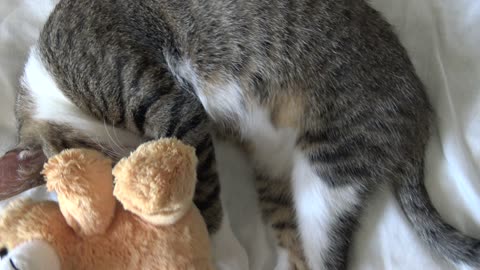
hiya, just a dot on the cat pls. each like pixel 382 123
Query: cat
pixel 320 93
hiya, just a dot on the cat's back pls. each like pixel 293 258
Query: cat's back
pixel 312 46
pixel 282 37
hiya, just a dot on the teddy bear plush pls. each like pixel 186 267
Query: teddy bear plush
pixel 146 220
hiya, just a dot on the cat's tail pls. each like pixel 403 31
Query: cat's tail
pixel 444 239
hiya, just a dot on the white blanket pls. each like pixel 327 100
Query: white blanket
pixel 442 37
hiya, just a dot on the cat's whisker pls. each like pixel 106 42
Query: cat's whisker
pixel 104 149
pixel 115 144
pixel 123 148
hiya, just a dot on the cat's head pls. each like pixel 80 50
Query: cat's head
pixel 49 122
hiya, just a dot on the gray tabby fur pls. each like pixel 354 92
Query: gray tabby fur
pixel 332 70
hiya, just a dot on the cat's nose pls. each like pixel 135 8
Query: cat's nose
pixel 3 252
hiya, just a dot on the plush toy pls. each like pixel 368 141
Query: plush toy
pixel 152 223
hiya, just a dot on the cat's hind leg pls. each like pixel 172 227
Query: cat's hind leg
pixel 335 167
pixel 276 204
pixel 326 216
pixel 227 251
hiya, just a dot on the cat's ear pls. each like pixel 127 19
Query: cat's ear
pixel 20 169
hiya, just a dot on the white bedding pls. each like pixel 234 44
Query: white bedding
pixel 442 37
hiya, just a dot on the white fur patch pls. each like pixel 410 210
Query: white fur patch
pixel 317 204
pixel 50 104
pixel 226 100
pixel 225 103
pixel 273 147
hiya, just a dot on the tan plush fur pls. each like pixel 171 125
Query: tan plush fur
pixel 155 183
pixel 157 180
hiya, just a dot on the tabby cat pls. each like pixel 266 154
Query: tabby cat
pixel 319 92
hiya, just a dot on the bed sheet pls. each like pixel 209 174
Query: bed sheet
pixel 442 38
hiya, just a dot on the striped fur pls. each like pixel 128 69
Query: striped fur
pixel 320 92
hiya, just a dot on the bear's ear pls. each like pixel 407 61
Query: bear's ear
pixel 20 170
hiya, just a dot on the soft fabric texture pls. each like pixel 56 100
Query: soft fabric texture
pixel 32 255
pixel 105 235
pixel 83 183
pixel 442 38
pixel 157 180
